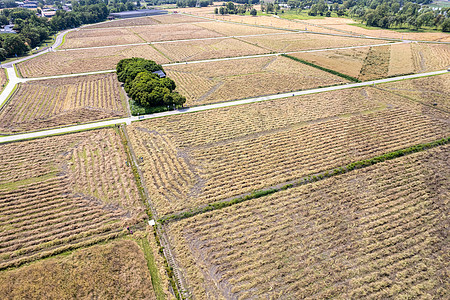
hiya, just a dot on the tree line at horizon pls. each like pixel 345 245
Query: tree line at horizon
pixel 32 30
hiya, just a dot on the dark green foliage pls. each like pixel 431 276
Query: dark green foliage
pixel 145 88
pixel 127 69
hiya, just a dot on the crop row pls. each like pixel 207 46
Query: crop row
pixel 38 103
pixel 370 233
pixel 180 179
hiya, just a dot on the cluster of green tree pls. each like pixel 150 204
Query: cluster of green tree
pixel 233 9
pixel 410 15
pixel 193 3
pixel 271 7
pixel 31 31
pixel 144 87
pixel 413 14
pixel 8 4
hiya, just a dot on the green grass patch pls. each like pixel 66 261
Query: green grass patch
pixel 322 68
pixel 148 254
pixel 306 179
pixel 11 186
pixel 396 29
pixel 137 109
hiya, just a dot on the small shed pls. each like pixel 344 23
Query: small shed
pixel 160 73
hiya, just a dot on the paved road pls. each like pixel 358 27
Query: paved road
pixel 128 120
pixel 58 42
pixel 13 80
pixel 215 60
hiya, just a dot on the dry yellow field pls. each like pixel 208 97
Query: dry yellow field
pixel 230 29
pixel 117 270
pixel 244 78
pixel 434 90
pixel 87 60
pixel 100 37
pixel 195 159
pixel 304 41
pixel 3 79
pixel 172 32
pixel 376 233
pixel 273 22
pixel 382 33
pixel 382 61
pixel 207 49
pixel 176 18
pixel 123 23
pixel 64 101
pixel 62 193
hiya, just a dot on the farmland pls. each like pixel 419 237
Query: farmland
pixel 63 101
pixel 172 32
pixel 122 23
pixel 97 38
pixel 429 90
pixel 374 233
pixel 196 159
pixel 45 211
pixel 333 193
pixel 304 41
pixel 230 29
pixel 207 49
pixel 87 60
pixel 382 61
pixel 245 78
pixel 119 265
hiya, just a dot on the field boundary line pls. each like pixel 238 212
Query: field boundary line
pixel 129 120
pixel 211 60
pixel 348 77
pixel 304 180
pixel 414 100
pixel 176 278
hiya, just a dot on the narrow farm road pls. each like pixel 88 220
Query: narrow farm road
pixel 58 41
pixel 128 120
pixel 216 60
pixel 12 81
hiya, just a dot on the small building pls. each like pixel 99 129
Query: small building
pixel 29 5
pixel 137 13
pixel 7 29
pixel 49 13
pixel 160 73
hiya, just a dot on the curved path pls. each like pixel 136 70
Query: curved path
pixel 128 120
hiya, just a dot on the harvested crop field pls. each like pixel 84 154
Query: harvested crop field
pixel 3 79
pixel 304 41
pixel 63 101
pixel 208 49
pixel 383 33
pixel 172 32
pixel 230 29
pixel 123 23
pixel 100 37
pixel 273 22
pixel 382 61
pixel 434 90
pixel 376 233
pixel 86 60
pixel 176 18
pixel 195 159
pixel 244 78
pixel 116 270
pixel 45 210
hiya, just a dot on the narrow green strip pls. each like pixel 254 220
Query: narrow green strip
pixel 308 179
pixel 322 68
